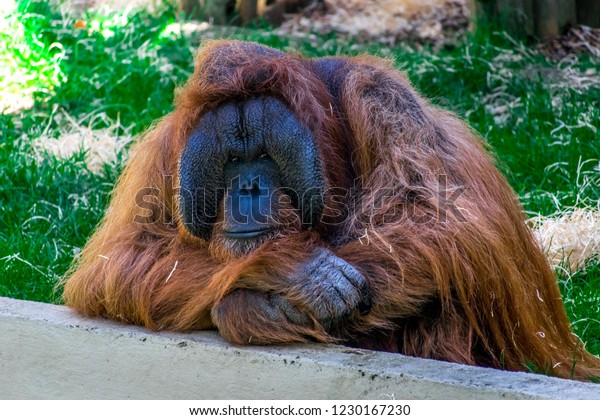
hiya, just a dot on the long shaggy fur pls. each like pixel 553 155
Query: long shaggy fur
pixel 468 286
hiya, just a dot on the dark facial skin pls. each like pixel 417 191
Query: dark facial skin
pixel 241 160
pixel 246 155
pixel 248 203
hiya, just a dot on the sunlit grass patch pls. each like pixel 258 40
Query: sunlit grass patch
pixel 29 65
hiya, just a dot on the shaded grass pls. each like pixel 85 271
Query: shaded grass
pixel 540 118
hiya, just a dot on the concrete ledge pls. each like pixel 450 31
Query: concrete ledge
pixel 48 352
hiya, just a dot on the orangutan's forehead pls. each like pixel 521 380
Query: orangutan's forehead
pixel 247 125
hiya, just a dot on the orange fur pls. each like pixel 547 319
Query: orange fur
pixel 471 287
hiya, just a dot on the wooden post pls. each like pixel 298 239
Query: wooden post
pixel 546 18
pixel 514 15
pixel 543 18
pixel 567 14
pixel 214 10
pixel 588 12
pixel 189 7
pixel 473 12
pixel 248 10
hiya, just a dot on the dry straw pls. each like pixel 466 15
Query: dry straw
pixel 105 146
pixel 570 238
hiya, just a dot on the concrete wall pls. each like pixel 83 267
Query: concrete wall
pixel 48 352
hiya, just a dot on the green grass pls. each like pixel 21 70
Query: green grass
pixel 541 119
